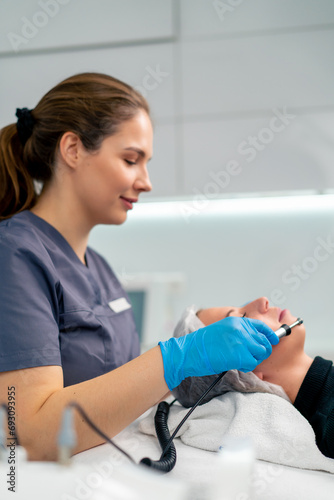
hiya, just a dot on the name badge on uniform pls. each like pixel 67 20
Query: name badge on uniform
pixel 119 305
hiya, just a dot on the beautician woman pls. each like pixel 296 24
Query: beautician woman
pixel 66 328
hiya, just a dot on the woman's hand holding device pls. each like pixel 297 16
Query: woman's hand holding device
pixel 231 343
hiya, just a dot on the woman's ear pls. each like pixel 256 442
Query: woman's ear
pixel 69 148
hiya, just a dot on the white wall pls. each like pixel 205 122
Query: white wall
pixel 215 73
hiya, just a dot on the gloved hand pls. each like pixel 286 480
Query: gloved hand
pixel 231 343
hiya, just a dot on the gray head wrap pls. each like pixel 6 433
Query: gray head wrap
pixel 190 390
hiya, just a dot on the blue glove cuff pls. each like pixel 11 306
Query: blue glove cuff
pixel 171 352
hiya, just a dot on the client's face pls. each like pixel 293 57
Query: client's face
pixel 287 348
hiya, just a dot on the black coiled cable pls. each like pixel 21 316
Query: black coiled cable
pixel 168 458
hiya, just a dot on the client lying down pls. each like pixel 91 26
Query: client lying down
pixel 289 372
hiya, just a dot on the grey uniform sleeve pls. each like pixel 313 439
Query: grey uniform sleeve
pixel 28 309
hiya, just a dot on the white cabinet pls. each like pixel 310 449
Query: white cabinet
pixel 250 74
pixel 214 72
pixel 60 24
pixel 259 154
pixel 203 18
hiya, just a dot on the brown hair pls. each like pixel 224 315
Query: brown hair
pixel 92 105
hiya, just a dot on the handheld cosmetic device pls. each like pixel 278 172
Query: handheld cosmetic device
pixel 286 330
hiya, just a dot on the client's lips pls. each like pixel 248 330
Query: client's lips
pixel 281 314
pixel 128 201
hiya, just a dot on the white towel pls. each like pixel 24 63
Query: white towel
pixel 280 434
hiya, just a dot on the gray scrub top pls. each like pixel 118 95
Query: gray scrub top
pixel 54 310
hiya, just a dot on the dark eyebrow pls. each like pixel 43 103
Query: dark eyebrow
pixel 139 151
pixel 230 311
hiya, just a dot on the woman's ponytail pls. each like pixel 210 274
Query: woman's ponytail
pixel 17 190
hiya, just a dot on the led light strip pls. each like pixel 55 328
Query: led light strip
pixel 192 207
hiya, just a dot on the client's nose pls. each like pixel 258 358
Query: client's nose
pixel 260 305
pixel 263 304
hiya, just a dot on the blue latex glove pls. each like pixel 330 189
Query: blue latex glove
pixel 231 343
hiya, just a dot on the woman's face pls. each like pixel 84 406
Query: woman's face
pixel 108 182
pixel 287 348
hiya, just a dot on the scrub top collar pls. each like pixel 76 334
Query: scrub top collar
pixel 53 233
